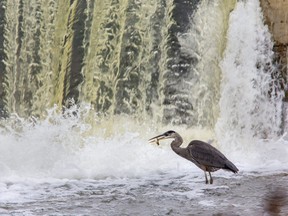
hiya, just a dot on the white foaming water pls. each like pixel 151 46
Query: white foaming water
pixel 64 156
pixel 249 122
pixel 67 147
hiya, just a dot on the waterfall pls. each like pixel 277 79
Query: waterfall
pixel 205 41
pixel 251 101
pixel 107 54
pixel 88 82
pixel 148 59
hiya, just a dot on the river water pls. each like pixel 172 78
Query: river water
pixel 162 194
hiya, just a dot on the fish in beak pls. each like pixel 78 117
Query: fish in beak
pixel 157 138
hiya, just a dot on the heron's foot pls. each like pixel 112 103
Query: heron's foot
pixel 206 181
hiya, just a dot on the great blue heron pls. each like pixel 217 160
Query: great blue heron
pixel 202 154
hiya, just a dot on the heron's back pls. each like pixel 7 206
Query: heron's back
pixel 208 158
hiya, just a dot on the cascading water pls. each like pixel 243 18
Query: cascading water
pixel 206 43
pixel 126 70
pixel 145 60
pixel 115 55
pixel 251 101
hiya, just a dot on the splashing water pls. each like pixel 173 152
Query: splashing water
pixel 64 146
pixel 250 105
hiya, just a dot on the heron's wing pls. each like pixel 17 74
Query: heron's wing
pixel 205 154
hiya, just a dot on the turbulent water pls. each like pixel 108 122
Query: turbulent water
pixel 126 71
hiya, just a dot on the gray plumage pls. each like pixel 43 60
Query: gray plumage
pixel 202 154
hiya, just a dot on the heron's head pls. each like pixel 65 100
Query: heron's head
pixel 167 135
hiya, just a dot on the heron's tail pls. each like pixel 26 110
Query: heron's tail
pixel 230 166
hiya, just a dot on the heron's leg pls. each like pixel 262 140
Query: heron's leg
pixel 211 179
pixel 206 177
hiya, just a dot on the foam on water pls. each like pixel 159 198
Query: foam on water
pixel 67 147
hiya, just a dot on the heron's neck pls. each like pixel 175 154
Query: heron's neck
pixel 176 143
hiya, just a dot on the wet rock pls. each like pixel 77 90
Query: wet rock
pixel 276 17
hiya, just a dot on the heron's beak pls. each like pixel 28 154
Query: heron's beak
pixel 157 138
